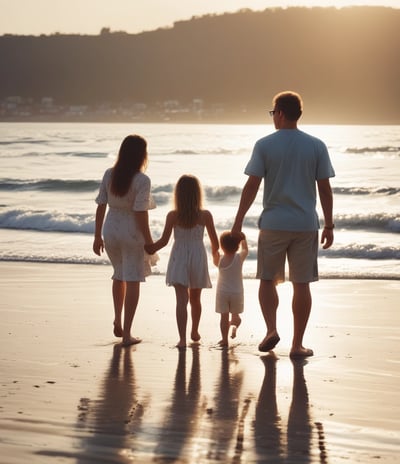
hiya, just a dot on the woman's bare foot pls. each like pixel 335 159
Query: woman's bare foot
pixel 131 341
pixel 181 345
pixel 118 332
pixel 223 343
pixel 301 352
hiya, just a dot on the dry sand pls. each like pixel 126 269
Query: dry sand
pixel 70 394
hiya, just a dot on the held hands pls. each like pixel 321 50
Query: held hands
pixel 216 256
pixel 98 245
pixel 236 232
pixel 150 248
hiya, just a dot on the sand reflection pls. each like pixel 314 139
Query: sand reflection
pixel 227 429
pixel 267 424
pixel 114 419
pixel 271 443
pixel 190 429
pixel 180 424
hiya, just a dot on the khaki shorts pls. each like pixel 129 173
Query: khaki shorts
pixel 300 249
pixel 229 303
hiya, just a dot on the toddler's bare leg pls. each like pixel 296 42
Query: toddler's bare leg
pixel 224 326
pixel 235 323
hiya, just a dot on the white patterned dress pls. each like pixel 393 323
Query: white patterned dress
pixel 188 265
pixel 122 239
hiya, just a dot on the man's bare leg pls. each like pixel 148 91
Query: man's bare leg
pixel 130 305
pixel 301 307
pixel 269 301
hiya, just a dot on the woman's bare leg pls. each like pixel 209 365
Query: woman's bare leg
pixel 130 305
pixel 118 292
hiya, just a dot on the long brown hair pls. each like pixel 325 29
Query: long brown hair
pixel 188 198
pixel 132 158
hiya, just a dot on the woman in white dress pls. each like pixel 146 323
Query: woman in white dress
pixel 126 190
pixel 187 269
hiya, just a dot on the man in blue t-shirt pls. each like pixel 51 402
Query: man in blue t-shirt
pixel 293 165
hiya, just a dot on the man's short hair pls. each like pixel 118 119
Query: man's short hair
pixel 290 103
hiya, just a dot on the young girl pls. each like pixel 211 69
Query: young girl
pixel 187 269
pixel 229 295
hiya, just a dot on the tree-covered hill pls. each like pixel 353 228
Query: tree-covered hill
pixel 345 62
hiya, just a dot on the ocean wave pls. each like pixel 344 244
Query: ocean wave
pixel 165 188
pixel 222 192
pixel 368 251
pixel 378 222
pixel 12 257
pixel 56 185
pixel 54 221
pixel 388 149
pixel 46 221
pixel 216 193
pixel 374 222
pixel 366 190
pixel 24 140
pixel 186 152
pixel 68 154
pixel 161 193
pixel 215 151
pixel 81 154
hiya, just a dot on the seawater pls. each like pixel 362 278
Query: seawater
pixel 50 174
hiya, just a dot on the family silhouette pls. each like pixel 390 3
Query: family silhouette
pixel 293 166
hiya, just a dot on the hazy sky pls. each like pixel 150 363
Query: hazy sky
pixel 90 16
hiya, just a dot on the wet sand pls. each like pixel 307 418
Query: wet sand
pixel 70 393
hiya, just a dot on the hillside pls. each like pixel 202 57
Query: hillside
pixel 345 63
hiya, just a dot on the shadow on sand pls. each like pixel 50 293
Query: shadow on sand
pixel 228 427
pixel 271 443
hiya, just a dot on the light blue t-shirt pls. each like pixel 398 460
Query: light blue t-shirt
pixel 290 162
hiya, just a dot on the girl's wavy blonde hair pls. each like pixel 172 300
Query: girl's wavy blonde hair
pixel 188 199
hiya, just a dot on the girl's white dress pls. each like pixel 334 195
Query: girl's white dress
pixel 188 265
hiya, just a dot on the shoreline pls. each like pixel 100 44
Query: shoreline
pixel 70 391
pixel 324 276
